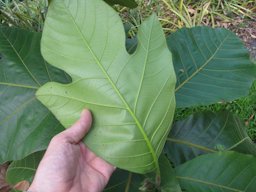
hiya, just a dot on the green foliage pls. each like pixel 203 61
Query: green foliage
pixel 207 132
pixel 211 66
pixel 24 169
pixel 127 3
pixel 24 121
pixel 222 171
pixel 104 73
pixel 129 182
pixel 132 92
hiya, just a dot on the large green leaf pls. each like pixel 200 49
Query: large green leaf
pixel 24 169
pixel 26 125
pixel 219 172
pixel 131 96
pixel 211 65
pixel 127 3
pixel 207 132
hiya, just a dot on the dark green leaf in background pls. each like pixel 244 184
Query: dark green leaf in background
pixel 131 182
pixel 131 96
pixel 124 181
pixel 211 65
pixel 219 172
pixel 126 3
pixel 26 125
pixel 207 132
pixel 24 169
pixel 169 183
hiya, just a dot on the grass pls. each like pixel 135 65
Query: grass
pixel 27 14
pixel 173 14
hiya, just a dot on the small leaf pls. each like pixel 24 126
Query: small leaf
pixel 169 183
pixel 24 170
pixel 211 65
pixel 207 132
pixel 26 125
pixel 131 96
pixel 222 171
pixel 126 3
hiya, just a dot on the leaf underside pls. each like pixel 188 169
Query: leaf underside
pixel 26 125
pixel 131 96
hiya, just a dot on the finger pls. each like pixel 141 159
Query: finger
pixel 76 133
pixel 103 167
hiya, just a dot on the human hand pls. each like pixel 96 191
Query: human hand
pixel 69 166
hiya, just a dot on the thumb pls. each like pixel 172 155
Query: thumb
pixel 76 133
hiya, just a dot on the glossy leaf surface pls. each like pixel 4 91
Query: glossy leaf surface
pixel 131 96
pixel 219 172
pixel 211 65
pixel 24 169
pixel 26 125
pixel 205 133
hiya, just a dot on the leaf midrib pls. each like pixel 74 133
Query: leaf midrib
pixel 155 159
pixel 202 67
pixel 23 168
pixel 18 85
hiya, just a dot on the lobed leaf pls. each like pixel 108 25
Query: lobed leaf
pixel 26 125
pixel 131 96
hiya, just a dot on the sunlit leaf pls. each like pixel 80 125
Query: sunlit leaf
pixel 131 96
